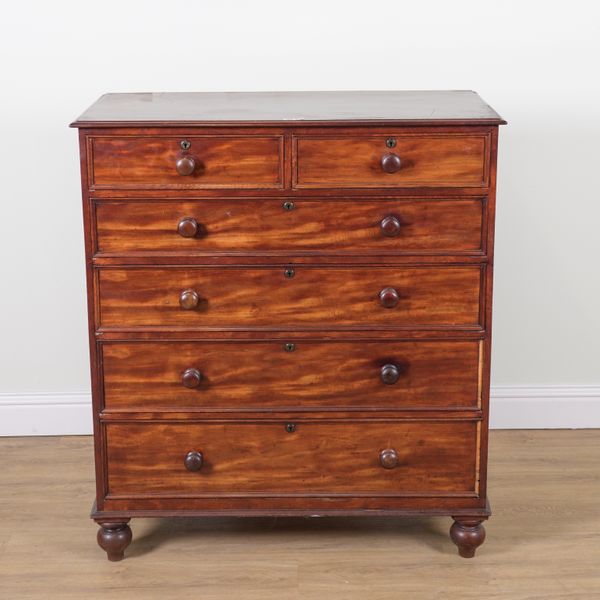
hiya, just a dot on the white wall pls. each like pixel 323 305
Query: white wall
pixel 536 62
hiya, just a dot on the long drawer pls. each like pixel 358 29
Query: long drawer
pixel 302 296
pixel 239 374
pixel 299 459
pixel 415 226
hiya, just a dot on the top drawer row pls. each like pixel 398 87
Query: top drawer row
pixel 238 160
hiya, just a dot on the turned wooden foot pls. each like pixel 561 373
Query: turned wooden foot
pixel 114 538
pixel 468 535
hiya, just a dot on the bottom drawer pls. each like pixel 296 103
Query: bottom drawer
pixel 305 458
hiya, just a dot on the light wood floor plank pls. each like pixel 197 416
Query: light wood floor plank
pixel 543 538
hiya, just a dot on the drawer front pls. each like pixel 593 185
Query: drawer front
pixel 145 376
pixel 416 226
pixel 210 162
pixel 318 458
pixel 434 160
pixel 263 298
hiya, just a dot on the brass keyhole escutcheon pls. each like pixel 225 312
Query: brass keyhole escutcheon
pixel 185 145
pixel 289 273
pixel 290 427
pixel 390 143
pixel 288 206
pixel 289 347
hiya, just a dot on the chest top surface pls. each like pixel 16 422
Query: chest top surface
pixel 463 107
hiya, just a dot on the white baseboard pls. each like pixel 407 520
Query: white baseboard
pixel 545 407
pixel 68 413
pixel 512 407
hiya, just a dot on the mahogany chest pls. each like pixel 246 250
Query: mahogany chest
pixel 290 299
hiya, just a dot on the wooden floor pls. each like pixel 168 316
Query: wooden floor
pixel 543 539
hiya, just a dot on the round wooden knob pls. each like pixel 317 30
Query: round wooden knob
pixel 187 227
pixel 391 163
pixel 390 374
pixel 188 299
pixel 390 226
pixel 389 297
pixel 185 165
pixel 191 378
pixel 388 458
pixel 193 460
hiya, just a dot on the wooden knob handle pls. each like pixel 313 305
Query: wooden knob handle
pixel 390 226
pixel 188 299
pixel 390 374
pixel 185 165
pixel 389 297
pixel 193 460
pixel 191 378
pixel 391 163
pixel 388 458
pixel 188 227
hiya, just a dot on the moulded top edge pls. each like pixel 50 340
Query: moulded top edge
pixel 289 108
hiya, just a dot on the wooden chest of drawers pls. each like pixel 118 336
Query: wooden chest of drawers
pixel 290 305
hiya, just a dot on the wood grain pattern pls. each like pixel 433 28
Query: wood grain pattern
pixel 251 298
pixel 303 225
pixel 228 161
pixel 353 161
pixel 261 375
pixel 280 223
pixel 319 458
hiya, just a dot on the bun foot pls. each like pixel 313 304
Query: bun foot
pixel 114 538
pixel 468 535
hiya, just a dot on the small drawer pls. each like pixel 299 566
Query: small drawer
pixel 185 162
pixel 415 226
pixel 392 160
pixel 243 375
pixel 306 458
pixel 270 298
